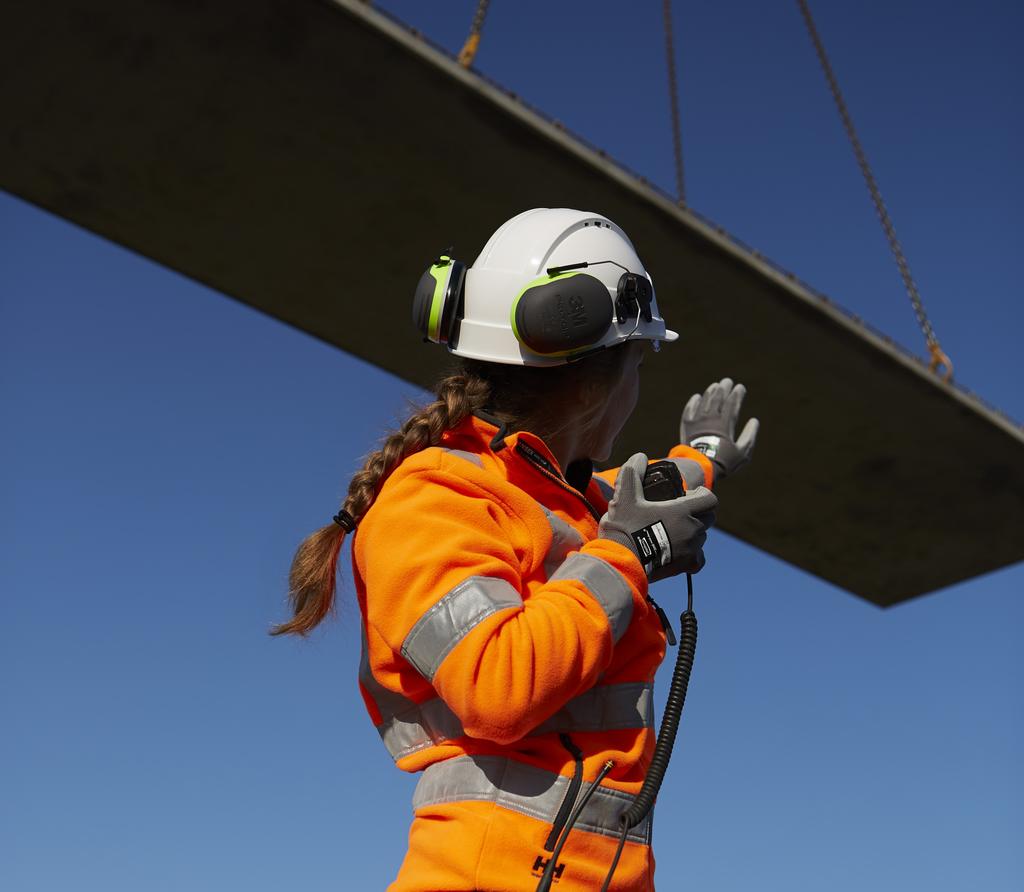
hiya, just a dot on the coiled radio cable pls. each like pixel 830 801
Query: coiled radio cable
pixel 667 733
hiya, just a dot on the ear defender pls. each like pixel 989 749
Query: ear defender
pixel 559 314
pixel 438 295
pixel 563 313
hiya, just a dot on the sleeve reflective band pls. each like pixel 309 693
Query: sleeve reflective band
pixel 419 726
pixel 604 708
pixel 452 618
pixel 407 727
pixel 607 586
pixel 564 539
pixel 691 471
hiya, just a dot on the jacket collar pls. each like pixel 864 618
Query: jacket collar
pixel 493 432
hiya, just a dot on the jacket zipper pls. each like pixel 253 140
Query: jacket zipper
pixel 571 794
pixel 541 464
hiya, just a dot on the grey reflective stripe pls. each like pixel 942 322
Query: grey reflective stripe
pixel 607 490
pixel 564 539
pixel 607 586
pixel 446 623
pixel 407 726
pixel 691 472
pixel 525 789
pixel 468 456
pixel 417 726
pixel 604 709
pixel 388 702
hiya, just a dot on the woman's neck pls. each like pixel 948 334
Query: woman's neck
pixel 566 447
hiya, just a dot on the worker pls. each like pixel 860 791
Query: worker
pixel 509 639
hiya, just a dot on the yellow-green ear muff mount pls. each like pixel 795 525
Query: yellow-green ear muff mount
pixel 435 305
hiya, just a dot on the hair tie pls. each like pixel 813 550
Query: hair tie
pixel 345 520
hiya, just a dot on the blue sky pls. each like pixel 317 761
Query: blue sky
pixel 165 448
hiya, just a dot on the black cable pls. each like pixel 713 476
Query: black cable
pixel 615 860
pixel 549 872
pixel 673 713
pixel 669 727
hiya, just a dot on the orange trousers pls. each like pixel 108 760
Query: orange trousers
pixel 483 847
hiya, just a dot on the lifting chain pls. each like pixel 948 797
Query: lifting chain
pixel 939 360
pixel 674 97
pixel 472 43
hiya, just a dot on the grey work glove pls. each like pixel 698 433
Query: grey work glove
pixel 667 537
pixel 709 424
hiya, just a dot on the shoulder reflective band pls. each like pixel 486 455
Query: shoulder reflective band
pixel 452 618
pixel 525 789
pixel 408 727
pixel 606 584
pixel 468 456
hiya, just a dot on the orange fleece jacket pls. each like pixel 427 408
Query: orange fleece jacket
pixel 439 519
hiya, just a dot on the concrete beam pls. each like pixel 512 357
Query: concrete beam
pixel 309 158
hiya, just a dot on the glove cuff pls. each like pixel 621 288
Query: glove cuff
pixel 684 451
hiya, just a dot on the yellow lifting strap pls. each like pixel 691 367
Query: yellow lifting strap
pixel 939 361
pixel 469 48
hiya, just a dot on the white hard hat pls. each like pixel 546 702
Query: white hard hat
pixel 550 285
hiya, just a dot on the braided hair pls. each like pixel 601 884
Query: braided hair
pixel 523 397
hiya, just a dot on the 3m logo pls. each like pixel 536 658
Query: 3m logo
pixel 540 865
pixel 578 310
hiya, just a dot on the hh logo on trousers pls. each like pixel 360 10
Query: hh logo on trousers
pixel 539 865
